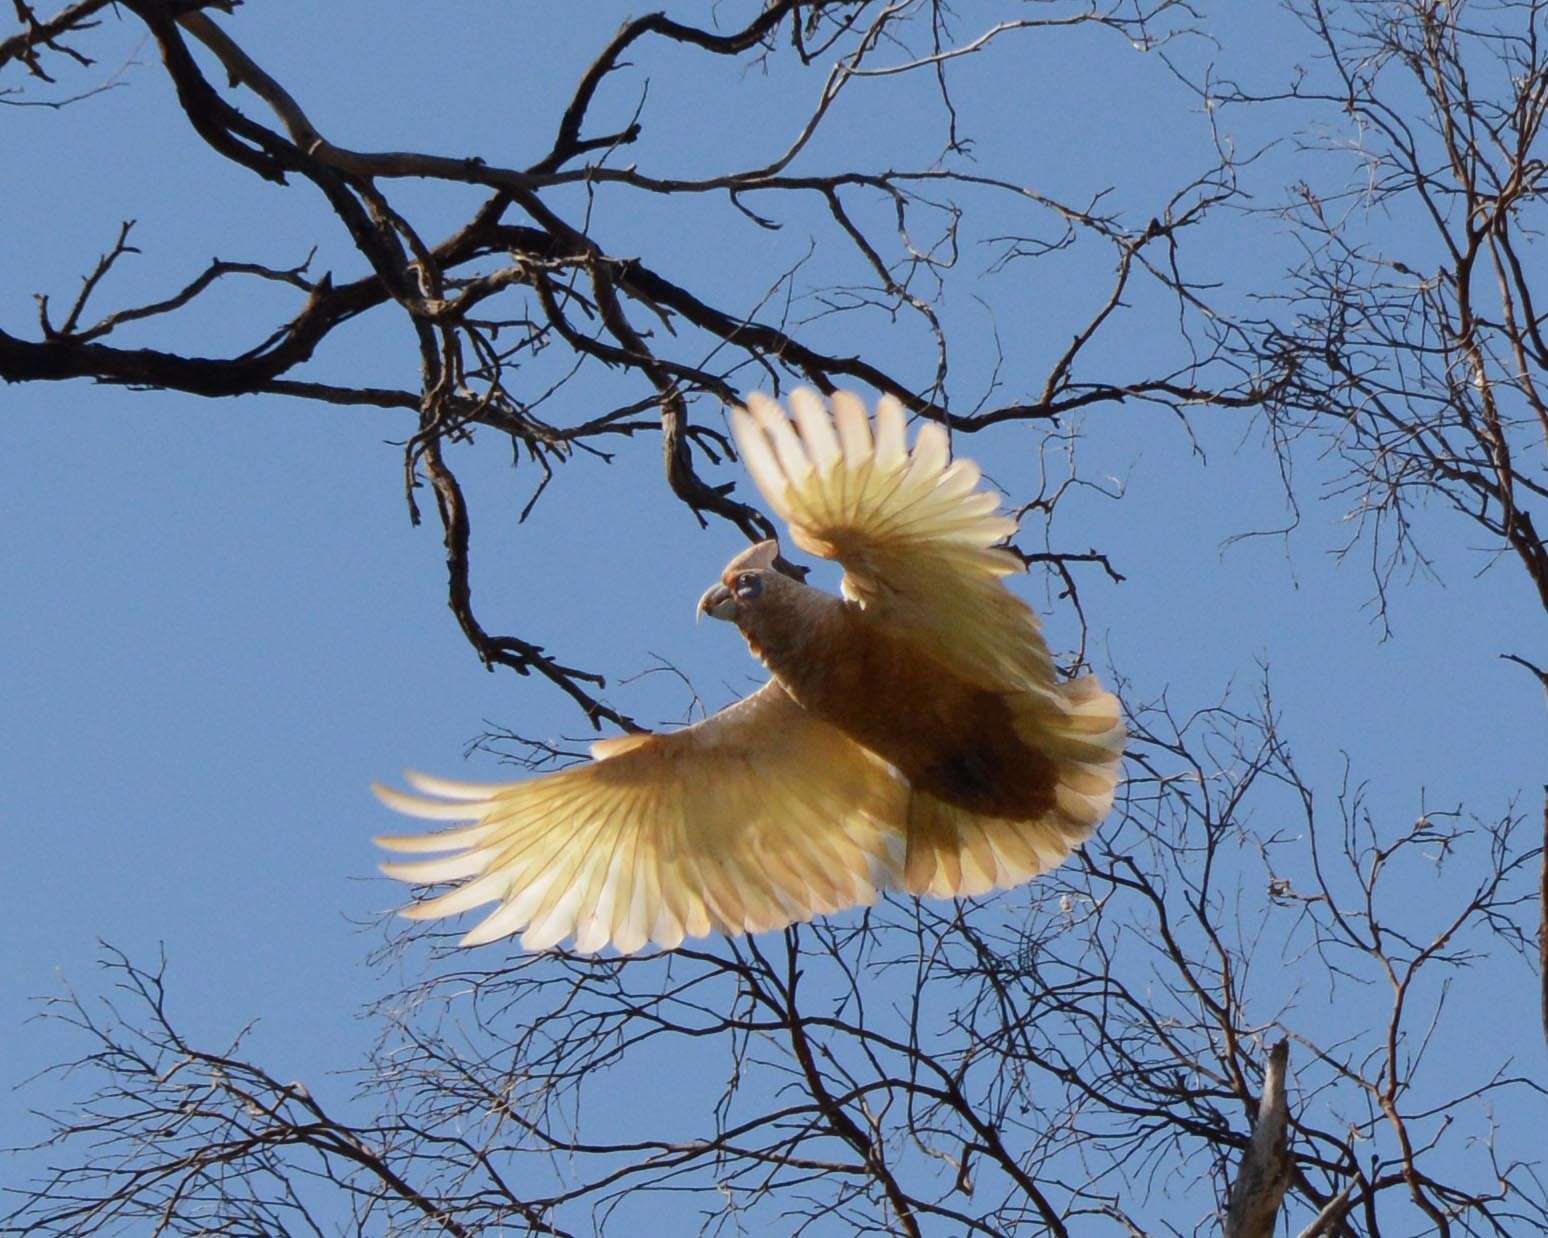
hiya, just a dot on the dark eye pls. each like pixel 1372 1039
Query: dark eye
pixel 748 585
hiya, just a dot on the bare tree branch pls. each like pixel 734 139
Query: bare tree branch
pixel 1265 1172
pixel 519 274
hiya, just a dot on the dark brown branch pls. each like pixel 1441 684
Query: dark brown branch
pixel 567 141
pixel 520 656
pixel 35 34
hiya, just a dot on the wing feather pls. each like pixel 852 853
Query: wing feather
pixel 449 788
pixel 753 819
pixel 918 535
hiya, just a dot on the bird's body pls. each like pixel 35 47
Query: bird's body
pixel 946 735
pixel 913 733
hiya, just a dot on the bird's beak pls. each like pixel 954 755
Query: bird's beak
pixel 718 603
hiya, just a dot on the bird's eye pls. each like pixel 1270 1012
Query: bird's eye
pixel 748 585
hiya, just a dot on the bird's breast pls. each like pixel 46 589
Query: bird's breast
pixel 947 736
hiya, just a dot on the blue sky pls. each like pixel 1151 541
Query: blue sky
pixel 219 626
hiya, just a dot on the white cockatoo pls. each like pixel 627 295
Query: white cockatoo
pixel 913 734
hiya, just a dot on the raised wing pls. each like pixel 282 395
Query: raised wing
pixel 916 533
pixel 753 819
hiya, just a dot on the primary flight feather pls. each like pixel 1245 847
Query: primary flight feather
pixel 913 734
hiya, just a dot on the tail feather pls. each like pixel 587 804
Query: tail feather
pixel 955 853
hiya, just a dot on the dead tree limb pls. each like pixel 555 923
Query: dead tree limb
pixel 1265 1172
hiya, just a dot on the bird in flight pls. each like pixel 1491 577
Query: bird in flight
pixel 913 733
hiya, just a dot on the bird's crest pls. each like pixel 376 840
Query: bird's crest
pixel 761 555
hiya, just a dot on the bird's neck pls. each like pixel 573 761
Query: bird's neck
pixel 786 631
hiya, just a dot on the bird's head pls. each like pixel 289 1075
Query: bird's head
pixel 749 584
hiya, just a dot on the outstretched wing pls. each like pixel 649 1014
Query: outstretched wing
pixel 753 819
pixel 915 531
pixel 917 536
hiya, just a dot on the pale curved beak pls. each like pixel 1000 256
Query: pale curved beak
pixel 717 603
